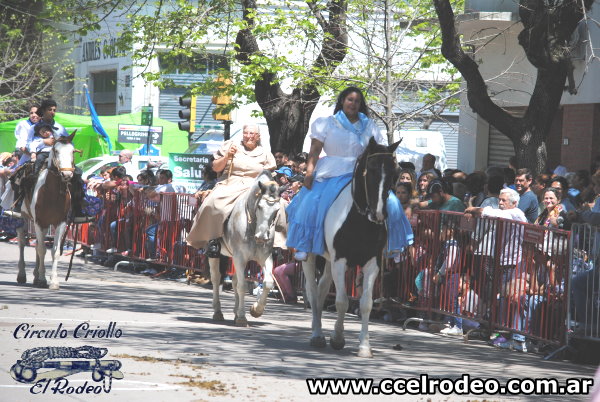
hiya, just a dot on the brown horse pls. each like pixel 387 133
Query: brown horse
pixel 49 204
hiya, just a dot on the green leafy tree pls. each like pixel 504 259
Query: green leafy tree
pixel 34 47
pixel 22 75
pixel 394 54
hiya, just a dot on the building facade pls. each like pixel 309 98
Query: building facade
pixel 491 28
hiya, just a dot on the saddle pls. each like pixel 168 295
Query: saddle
pixel 25 178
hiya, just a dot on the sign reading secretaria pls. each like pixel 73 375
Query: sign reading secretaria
pixel 188 169
pixel 135 134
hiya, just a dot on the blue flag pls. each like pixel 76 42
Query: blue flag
pixel 96 121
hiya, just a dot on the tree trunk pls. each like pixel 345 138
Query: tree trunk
pixel 544 38
pixel 288 115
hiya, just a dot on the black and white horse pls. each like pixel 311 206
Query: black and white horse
pixel 248 236
pixel 355 234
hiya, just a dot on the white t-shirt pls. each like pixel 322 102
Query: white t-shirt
pixel 511 252
pixel 341 146
pixel 22 133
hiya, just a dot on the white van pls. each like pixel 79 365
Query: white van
pixel 416 143
pixel 93 166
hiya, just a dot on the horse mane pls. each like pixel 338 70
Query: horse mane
pixel 359 195
pixel 253 196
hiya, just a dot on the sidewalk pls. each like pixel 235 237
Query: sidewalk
pixel 171 349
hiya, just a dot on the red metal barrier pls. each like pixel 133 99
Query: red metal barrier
pixel 584 314
pixel 501 274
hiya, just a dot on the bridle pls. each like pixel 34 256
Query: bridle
pixel 56 164
pixel 258 194
pixel 367 209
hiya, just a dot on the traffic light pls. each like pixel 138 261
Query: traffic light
pixel 221 100
pixel 188 114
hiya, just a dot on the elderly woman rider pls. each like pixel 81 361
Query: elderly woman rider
pixel 238 164
pixel 343 136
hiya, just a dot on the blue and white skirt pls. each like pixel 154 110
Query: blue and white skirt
pixel 306 217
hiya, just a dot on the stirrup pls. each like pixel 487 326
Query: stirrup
pixel 12 214
pixel 83 219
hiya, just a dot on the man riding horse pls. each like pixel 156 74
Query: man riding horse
pixel 41 138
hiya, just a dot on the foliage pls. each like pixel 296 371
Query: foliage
pixel 296 47
pixel 395 56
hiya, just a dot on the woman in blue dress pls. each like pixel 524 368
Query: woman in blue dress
pixel 343 137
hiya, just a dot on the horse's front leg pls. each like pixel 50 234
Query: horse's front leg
pixel 308 268
pixel 338 271
pixel 40 248
pixel 215 278
pixel 22 275
pixel 370 271
pixel 60 231
pixel 258 308
pixel 240 290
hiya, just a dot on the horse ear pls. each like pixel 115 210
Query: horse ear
pixel 392 148
pixel 70 137
pixel 372 142
pixel 262 187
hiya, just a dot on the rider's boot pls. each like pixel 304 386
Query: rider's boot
pixel 213 248
pixel 300 255
pixel 78 199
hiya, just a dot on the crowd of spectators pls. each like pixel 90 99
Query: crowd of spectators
pixel 554 200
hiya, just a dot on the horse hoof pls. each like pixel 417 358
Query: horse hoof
pixel 218 316
pixel 254 311
pixel 318 342
pixel 365 352
pixel 21 279
pixel 337 344
pixel 54 286
pixel 241 322
pixel 40 284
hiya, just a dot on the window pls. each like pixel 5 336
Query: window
pixel 197 64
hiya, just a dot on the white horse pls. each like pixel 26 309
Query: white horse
pixel 248 236
pixel 49 205
pixel 355 234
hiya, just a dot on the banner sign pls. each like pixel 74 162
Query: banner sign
pixel 135 134
pixel 187 169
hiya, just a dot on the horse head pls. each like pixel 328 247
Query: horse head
pixel 62 155
pixel 373 178
pixel 266 205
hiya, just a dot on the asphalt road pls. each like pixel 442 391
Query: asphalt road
pixel 170 348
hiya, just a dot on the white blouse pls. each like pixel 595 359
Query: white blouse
pixel 341 146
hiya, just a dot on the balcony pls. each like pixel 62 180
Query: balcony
pixel 484 14
pixel 492 6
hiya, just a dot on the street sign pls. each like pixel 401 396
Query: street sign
pixel 135 134
pixel 188 169
pixel 147 115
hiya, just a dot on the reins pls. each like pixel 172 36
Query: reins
pixel 367 209
pixel 258 195
pixel 57 165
